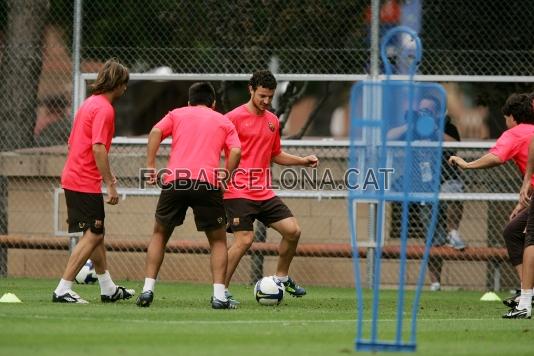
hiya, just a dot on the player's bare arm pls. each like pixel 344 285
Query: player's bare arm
pixel 102 162
pixel 526 187
pixel 286 159
pixel 154 141
pixel 233 161
pixel 518 208
pixel 487 161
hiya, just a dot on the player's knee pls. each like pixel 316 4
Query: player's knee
pixel 162 230
pixel 97 228
pixel 93 238
pixel 293 234
pixel 245 239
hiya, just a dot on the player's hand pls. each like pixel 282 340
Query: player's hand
pixel 223 179
pixel 458 162
pixel 519 207
pixel 311 161
pixel 112 195
pixel 151 176
pixel 525 193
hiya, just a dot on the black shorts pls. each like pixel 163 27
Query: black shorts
pixel 529 236
pixel 515 237
pixel 85 211
pixel 205 199
pixel 241 213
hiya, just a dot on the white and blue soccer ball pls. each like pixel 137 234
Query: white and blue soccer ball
pixel 87 274
pixel 267 291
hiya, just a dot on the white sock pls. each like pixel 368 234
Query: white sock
pixel 107 287
pixel 525 300
pixel 281 279
pixel 150 283
pixel 63 287
pixel 218 291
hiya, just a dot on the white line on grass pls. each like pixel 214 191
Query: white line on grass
pixel 226 322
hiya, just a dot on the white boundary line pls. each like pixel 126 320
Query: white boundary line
pixel 226 322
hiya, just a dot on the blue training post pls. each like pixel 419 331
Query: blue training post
pixel 395 158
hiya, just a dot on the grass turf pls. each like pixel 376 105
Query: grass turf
pixel 181 322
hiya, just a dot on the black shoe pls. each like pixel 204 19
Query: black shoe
pixel 231 298
pixel 293 288
pixel 69 297
pixel 517 314
pixel 513 301
pixel 145 299
pixel 219 304
pixel 120 293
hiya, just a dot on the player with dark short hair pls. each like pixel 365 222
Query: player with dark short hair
pixel 249 196
pixel 521 307
pixel 513 144
pixel 199 135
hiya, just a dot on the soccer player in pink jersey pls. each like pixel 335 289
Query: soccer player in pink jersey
pixel 523 309
pixel 199 135
pixel 86 167
pixel 513 144
pixel 249 196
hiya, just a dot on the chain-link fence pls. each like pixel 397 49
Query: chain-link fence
pixel 472 38
pixel 316 198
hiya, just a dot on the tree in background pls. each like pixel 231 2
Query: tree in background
pixel 20 69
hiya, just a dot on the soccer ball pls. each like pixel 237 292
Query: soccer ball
pixel 267 291
pixel 87 274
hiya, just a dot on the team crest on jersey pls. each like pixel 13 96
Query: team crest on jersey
pixel 271 126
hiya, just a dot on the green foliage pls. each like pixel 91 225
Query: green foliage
pixel 477 37
pixel 483 25
pixel 61 14
pixel 245 32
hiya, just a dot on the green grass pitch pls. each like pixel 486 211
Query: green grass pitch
pixel 181 322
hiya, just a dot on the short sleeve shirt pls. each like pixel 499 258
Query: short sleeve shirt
pixel 94 123
pixel 260 142
pixel 513 144
pixel 199 136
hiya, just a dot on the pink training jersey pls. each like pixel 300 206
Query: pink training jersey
pixel 199 135
pixel 513 144
pixel 94 123
pixel 260 140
